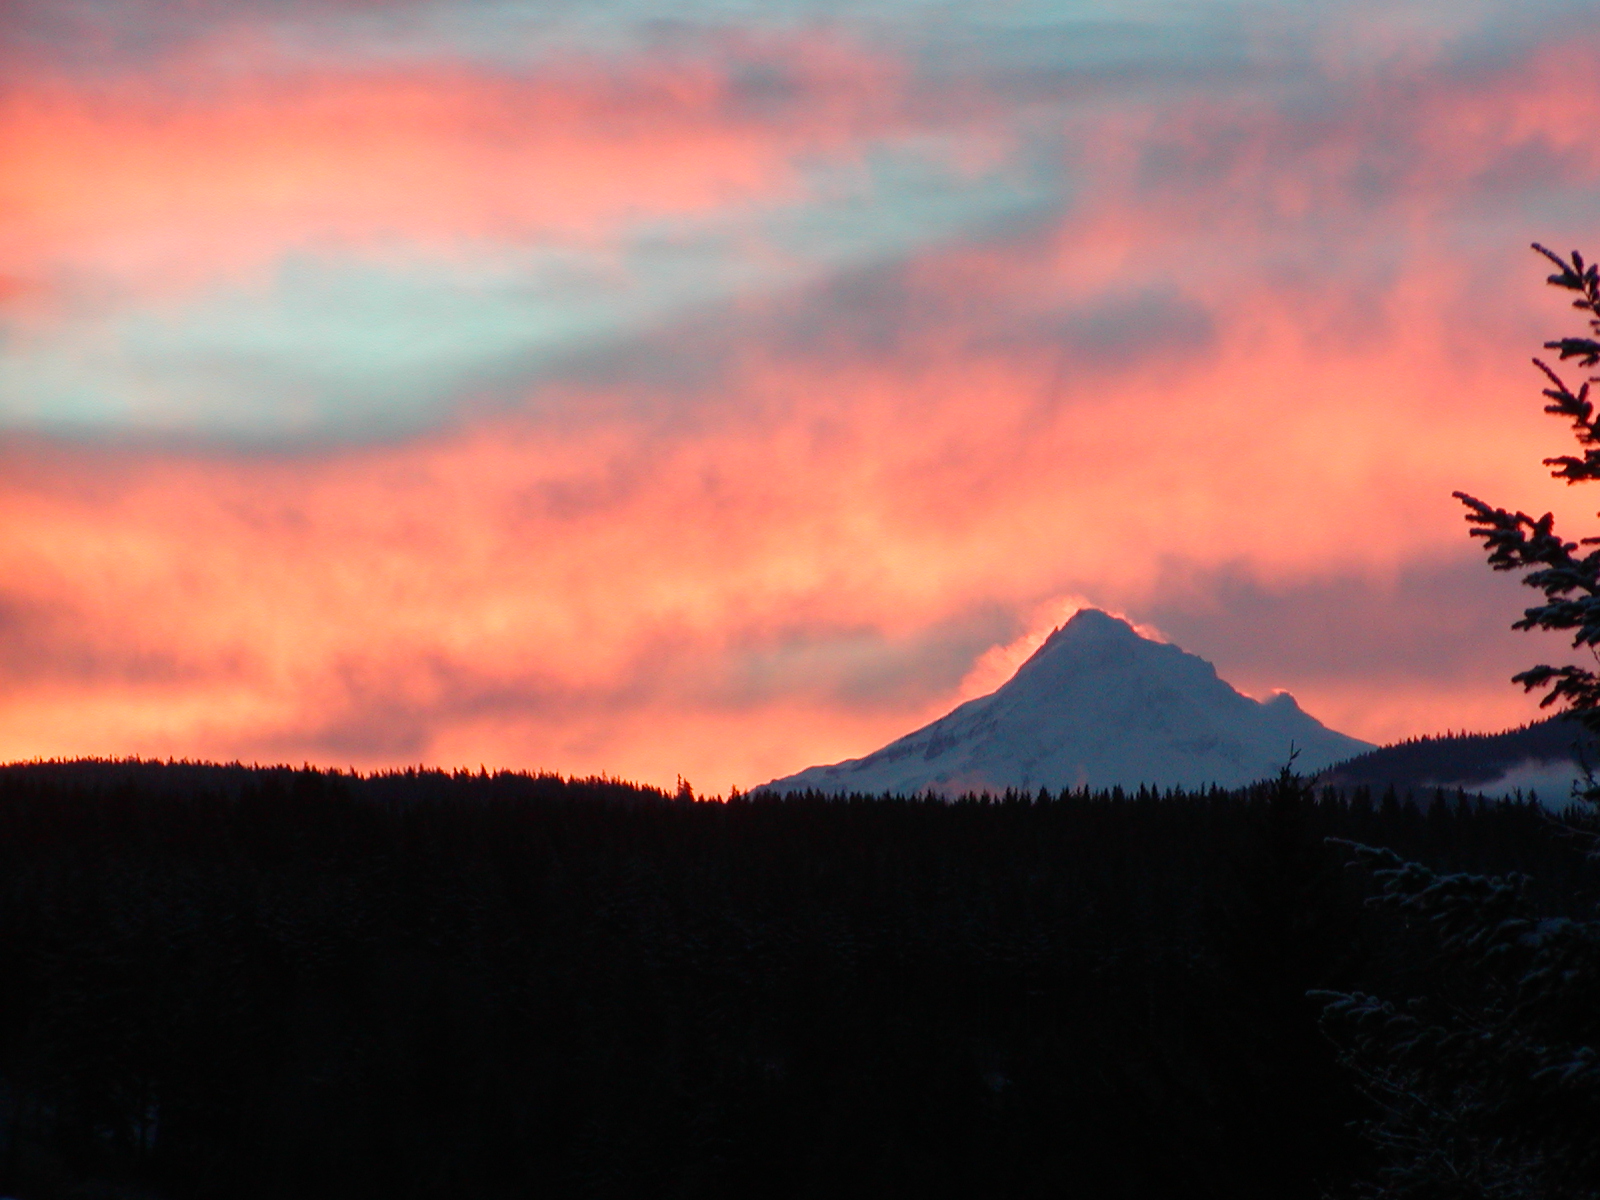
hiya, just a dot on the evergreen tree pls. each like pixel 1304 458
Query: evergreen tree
pixel 1568 576
pixel 1486 1084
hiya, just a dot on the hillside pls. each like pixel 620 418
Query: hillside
pixel 1541 756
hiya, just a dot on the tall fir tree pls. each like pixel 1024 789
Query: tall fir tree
pixel 1485 1084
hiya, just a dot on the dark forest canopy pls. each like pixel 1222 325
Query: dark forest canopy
pixel 230 982
pixel 231 780
pixel 1466 758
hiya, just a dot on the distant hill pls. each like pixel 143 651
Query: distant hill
pixel 1538 757
pixel 1098 706
pixel 234 781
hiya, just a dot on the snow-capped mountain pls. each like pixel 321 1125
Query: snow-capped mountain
pixel 1100 705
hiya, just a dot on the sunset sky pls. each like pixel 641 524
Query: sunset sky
pixel 720 388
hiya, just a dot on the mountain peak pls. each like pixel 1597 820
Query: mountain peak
pixel 1091 642
pixel 1097 704
pixel 1092 623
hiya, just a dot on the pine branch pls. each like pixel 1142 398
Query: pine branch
pixel 1514 541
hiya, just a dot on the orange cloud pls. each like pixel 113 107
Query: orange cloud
pixel 583 598
pixel 197 172
pixel 808 555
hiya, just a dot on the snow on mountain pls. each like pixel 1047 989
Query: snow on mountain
pixel 1100 705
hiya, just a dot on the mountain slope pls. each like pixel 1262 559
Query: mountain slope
pixel 1097 705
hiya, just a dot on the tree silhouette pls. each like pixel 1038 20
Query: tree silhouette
pixel 1485 1083
pixel 1568 576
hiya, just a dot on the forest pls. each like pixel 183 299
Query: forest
pixel 239 982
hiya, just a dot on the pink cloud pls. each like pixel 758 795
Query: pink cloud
pixel 584 591
pixel 452 600
pixel 196 172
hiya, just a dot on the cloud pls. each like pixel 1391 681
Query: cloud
pixel 237 243
pixel 999 663
pixel 790 582
pixel 1210 349
pixel 1425 646
pixel 290 252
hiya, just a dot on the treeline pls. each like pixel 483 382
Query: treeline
pixel 227 982
pixel 1473 759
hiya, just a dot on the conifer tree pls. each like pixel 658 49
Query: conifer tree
pixel 1486 1084
pixel 1567 574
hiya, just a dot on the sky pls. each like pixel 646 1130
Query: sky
pixel 718 388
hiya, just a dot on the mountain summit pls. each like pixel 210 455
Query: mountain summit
pixel 1100 705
